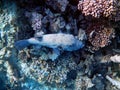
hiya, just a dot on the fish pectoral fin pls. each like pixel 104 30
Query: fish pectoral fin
pixel 37 47
pixel 60 48
pixel 55 54
pixel 57 51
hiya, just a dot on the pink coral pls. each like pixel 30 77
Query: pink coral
pixel 98 8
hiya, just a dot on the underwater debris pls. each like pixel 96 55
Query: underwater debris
pixel 98 8
pixel 99 34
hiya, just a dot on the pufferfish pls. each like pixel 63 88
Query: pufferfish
pixel 66 42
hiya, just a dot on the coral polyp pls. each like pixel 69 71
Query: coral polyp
pixel 99 34
pixel 98 8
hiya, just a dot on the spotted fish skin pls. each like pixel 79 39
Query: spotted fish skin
pixel 65 41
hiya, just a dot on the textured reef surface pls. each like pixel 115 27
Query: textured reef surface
pixel 60 44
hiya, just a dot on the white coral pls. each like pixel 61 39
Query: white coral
pixel 114 82
pixel 115 58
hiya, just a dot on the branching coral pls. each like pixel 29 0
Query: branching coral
pixel 98 8
pixel 99 34
pixel 35 19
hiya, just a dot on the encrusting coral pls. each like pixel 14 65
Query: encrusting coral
pixel 98 8
pixel 99 34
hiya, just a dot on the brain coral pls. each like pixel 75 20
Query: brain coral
pixel 99 34
pixel 98 8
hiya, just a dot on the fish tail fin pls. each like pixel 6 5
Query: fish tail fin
pixel 19 45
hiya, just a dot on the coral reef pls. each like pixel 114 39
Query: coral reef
pixel 117 17
pixel 98 8
pixel 57 24
pixel 31 68
pixel 49 72
pixel 99 34
pixel 58 5
pixel 83 82
pixel 115 58
pixel 35 19
pixel 114 82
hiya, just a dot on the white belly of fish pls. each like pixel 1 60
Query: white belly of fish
pixel 55 40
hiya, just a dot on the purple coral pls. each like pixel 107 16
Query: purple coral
pixel 98 8
pixel 35 19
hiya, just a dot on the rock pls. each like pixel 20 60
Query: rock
pixel 58 5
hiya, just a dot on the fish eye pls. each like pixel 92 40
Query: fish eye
pixel 70 45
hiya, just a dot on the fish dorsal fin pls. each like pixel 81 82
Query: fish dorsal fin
pixel 39 34
pixel 60 31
